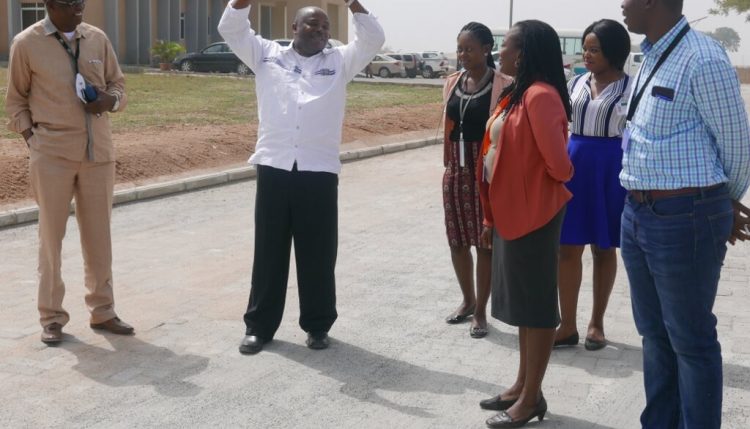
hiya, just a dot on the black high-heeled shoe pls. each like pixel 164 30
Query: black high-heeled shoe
pixel 504 420
pixel 497 403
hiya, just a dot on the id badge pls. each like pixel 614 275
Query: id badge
pixel 625 138
pixel 461 152
pixel 80 87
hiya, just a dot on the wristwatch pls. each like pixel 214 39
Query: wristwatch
pixel 117 102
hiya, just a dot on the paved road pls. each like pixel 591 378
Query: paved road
pixel 182 270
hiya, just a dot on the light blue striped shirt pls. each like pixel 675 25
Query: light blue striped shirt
pixel 701 137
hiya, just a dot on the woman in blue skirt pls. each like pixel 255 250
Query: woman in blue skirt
pixel 599 99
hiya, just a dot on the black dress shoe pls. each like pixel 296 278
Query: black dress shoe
pixel 504 420
pixel 572 340
pixel 251 344
pixel 497 403
pixel 317 340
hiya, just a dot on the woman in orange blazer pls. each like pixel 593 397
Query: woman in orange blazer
pixel 469 97
pixel 521 177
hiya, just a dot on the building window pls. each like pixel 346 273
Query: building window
pixel 266 19
pixel 182 25
pixel 32 13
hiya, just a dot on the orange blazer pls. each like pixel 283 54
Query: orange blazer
pixel 531 165
pixel 499 83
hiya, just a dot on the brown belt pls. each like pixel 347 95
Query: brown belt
pixel 657 194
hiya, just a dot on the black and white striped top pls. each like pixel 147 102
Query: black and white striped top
pixel 603 116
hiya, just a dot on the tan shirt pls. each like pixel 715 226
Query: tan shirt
pixel 41 91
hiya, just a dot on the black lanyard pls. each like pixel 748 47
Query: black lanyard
pixel 662 58
pixel 463 108
pixel 465 88
pixel 73 56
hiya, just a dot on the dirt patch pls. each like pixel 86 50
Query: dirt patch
pixel 161 153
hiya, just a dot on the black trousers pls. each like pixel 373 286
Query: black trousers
pixel 300 206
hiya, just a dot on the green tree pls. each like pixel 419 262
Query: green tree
pixel 723 7
pixel 728 38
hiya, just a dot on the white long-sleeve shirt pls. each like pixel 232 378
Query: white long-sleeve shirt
pixel 301 100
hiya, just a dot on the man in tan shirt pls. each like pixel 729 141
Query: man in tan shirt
pixel 70 151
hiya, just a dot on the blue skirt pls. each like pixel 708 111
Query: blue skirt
pixel 593 215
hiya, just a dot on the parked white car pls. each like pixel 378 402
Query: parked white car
pixel 385 66
pixel 433 64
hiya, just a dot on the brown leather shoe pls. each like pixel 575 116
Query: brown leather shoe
pixel 52 333
pixel 115 326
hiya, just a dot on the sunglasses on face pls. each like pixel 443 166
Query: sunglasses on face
pixel 72 3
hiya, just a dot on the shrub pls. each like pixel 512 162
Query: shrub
pixel 166 51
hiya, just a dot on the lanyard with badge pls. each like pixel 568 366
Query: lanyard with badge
pixel 84 91
pixel 639 93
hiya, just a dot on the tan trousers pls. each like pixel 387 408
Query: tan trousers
pixel 55 181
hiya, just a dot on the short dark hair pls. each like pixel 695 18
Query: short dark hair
pixel 540 60
pixel 484 35
pixel 674 5
pixel 614 40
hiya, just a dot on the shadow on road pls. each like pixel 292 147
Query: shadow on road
pixel 134 362
pixel 364 373
pixel 610 362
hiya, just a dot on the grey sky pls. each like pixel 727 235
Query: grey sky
pixel 418 25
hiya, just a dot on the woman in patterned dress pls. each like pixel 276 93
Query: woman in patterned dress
pixel 469 98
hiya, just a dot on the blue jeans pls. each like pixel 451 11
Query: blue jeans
pixel 673 249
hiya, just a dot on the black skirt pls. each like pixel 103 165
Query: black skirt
pixel 524 277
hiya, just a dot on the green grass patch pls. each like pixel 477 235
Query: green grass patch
pixel 165 100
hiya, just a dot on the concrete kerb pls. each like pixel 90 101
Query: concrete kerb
pixel 140 193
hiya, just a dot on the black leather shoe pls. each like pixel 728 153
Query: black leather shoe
pixel 572 340
pixel 504 420
pixel 251 344
pixel 497 403
pixel 318 340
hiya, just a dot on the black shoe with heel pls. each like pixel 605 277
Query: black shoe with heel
pixel 497 403
pixel 504 420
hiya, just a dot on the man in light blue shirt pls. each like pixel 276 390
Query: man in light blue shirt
pixel 686 166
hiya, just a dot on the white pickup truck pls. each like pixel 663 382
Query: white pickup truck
pixel 433 64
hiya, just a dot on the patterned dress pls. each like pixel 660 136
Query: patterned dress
pixel 463 210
